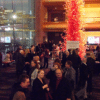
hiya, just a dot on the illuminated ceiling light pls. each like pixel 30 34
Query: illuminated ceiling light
pixel 14 16
pixel 7 29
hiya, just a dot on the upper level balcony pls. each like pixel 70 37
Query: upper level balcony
pixel 92 23
pixel 54 26
pixel 53 2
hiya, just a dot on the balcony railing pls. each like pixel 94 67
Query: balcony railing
pixel 53 2
pixel 54 26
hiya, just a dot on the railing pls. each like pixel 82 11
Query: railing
pixel 91 19
pixel 55 25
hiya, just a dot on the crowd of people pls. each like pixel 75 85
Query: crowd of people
pixel 69 78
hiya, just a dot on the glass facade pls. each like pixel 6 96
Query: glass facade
pixel 17 24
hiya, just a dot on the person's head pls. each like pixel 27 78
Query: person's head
pixel 84 60
pixel 59 42
pixel 36 58
pixel 20 47
pixel 90 48
pixel 68 64
pixel 59 73
pixel 57 60
pixel 27 51
pixel 73 52
pixel 8 55
pixel 41 73
pixel 49 41
pixel 67 53
pixel 77 51
pixel 56 65
pixel 32 48
pixel 34 64
pixel 24 81
pixel 22 52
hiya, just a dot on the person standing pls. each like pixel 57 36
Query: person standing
pixel 39 88
pixel 65 58
pixel 90 66
pixel 31 54
pixel 60 87
pixel 20 90
pixel 76 63
pixel 33 71
pixel 46 57
pixel 20 63
pixel 70 73
pixel 82 85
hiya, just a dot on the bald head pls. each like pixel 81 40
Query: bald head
pixel 59 73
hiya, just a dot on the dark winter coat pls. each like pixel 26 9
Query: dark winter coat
pixel 38 93
pixel 63 90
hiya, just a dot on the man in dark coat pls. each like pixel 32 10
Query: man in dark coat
pixel 30 55
pixel 16 52
pixel 82 85
pixel 60 87
pixel 20 90
pixel 20 62
pixel 76 62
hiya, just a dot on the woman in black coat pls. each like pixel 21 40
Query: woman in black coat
pixel 39 88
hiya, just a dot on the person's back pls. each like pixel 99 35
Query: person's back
pixel 20 63
pixel 90 66
pixel 70 74
pixel 76 61
pixel 83 75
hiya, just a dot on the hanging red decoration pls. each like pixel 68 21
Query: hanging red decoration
pixel 74 32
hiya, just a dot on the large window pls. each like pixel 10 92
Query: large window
pixel 17 18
